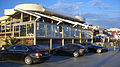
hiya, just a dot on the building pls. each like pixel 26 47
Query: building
pixel 115 32
pixel 34 24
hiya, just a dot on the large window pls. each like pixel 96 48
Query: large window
pixel 41 29
pixel 3 28
pixel 30 29
pixel 22 30
pixel 8 27
pixel 73 33
pixel 77 33
pixel 67 32
pixel 57 31
pixel 47 30
pixel 50 30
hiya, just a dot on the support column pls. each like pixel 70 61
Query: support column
pixel 63 36
pixel 26 29
pixel 35 24
pixel 50 44
pixel 5 30
pixel 21 17
pixel 30 18
pixel 72 41
pixel 80 35
pixel 92 36
pixel 13 32
pixel 63 42
pixel 19 30
pixel 108 39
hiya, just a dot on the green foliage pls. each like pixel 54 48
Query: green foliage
pixel 10 41
pixel 6 41
pixel 105 45
pixel 83 40
pixel 23 41
pixel 99 45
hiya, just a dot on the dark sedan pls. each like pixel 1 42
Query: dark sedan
pixel 27 53
pixel 70 49
pixel 94 48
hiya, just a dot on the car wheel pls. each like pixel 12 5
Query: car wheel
pixel 99 50
pixel 76 54
pixel 28 60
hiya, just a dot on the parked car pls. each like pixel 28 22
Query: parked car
pixel 94 48
pixel 27 53
pixel 70 49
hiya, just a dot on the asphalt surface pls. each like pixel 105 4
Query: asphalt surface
pixel 108 59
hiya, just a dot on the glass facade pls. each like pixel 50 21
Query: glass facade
pixel 47 30
pixel 86 34
pixel 22 30
pixel 41 29
pixel 77 33
pixel 67 32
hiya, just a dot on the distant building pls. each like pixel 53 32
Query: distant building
pixel 115 32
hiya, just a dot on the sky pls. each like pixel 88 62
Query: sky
pixel 103 13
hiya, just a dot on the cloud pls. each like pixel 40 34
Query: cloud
pixel 102 20
pixel 97 4
pixel 93 15
pixel 68 8
pixel 114 11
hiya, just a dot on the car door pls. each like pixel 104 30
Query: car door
pixel 20 52
pixel 8 53
pixel 91 48
pixel 68 49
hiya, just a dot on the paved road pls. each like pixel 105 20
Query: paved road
pixel 108 59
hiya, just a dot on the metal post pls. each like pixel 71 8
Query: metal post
pixel 62 42
pixel 50 44
pixel 72 41
pixel 35 27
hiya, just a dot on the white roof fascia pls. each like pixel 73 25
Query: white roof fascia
pixel 59 19
pixel 53 17
pixel 28 13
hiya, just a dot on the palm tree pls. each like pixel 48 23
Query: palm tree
pixel 10 41
pixel 13 41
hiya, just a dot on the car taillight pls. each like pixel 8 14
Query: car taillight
pixel 38 54
pixel 83 49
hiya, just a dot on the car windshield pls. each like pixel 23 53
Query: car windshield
pixel 36 48
pixel 80 45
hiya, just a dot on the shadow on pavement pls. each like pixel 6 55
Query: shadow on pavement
pixel 58 58
pixel 89 54
pixel 11 64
